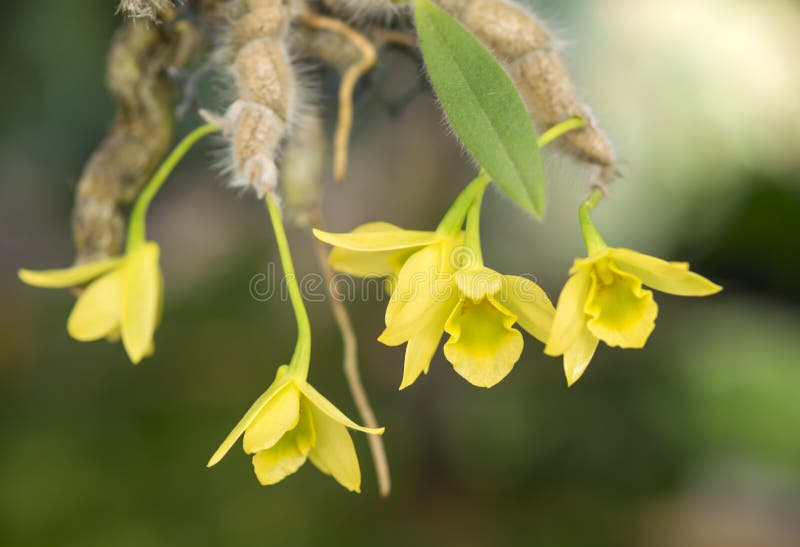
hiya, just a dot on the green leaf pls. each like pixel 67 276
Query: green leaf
pixel 482 104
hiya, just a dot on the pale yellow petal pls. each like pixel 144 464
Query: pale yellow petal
pixel 362 264
pixel 477 283
pixel 483 347
pixel 529 303
pixel 68 277
pixel 422 346
pixel 420 286
pixel 570 316
pixel 620 312
pixel 281 378
pixel 96 313
pixel 369 263
pixel 333 452
pixel 386 240
pixel 419 353
pixel 578 356
pixel 151 349
pixel 140 302
pixel 324 405
pixel 276 463
pixel 668 277
pixel 277 417
pixel 417 272
pixel 286 456
pixel 305 435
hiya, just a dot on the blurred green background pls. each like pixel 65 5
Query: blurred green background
pixel 693 441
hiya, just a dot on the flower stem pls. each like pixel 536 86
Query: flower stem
pixel 594 242
pixel 136 223
pixel 560 129
pixel 454 217
pixel 302 351
pixel 472 240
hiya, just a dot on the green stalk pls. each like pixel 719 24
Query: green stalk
pixel 472 238
pixel 594 242
pixel 136 222
pixel 560 129
pixel 302 351
pixel 454 217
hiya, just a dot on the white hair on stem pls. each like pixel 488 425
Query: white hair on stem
pixel 143 9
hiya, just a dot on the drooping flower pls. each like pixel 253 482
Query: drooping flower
pixel 124 295
pixel 123 298
pixel 290 423
pixel 604 299
pixel 424 291
pixel 439 289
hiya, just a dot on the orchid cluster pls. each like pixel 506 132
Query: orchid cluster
pixel 440 286
pixel 439 283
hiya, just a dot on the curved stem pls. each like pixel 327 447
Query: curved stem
pixel 560 129
pixel 347 86
pixel 136 223
pixel 472 240
pixel 454 217
pixel 302 352
pixel 350 365
pixel 593 239
pixel 396 37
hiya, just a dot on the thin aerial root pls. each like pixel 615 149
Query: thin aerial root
pixel 395 37
pixel 350 350
pixel 350 78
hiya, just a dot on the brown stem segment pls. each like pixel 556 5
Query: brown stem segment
pixel 395 37
pixel 351 372
pixel 138 139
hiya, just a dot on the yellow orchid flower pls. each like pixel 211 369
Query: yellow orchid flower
pixel 424 292
pixel 292 422
pixel 604 299
pixel 123 298
pixel 124 295
pixel 442 287
pixel 476 306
